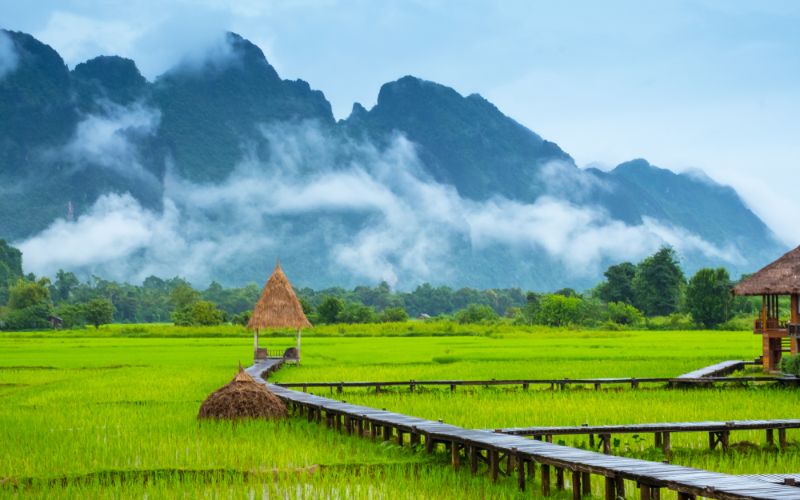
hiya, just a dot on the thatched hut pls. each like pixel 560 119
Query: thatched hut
pixel 242 397
pixel 277 307
pixel 780 278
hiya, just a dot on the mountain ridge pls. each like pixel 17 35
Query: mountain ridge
pixel 202 120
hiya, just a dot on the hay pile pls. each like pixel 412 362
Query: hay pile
pixel 242 398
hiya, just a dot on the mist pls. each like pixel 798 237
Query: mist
pixel 370 210
pixel 8 55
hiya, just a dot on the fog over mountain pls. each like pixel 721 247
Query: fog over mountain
pixel 219 166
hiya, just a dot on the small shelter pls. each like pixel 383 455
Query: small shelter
pixel 778 279
pixel 277 307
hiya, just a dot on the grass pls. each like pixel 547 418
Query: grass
pixel 111 413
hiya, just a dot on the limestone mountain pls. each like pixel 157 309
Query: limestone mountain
pixel 68 137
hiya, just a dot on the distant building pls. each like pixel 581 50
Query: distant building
pixel 56 322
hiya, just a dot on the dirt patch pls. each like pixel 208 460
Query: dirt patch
pixel 242 398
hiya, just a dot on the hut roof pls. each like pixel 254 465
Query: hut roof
pixel 278 306
pixel 782 277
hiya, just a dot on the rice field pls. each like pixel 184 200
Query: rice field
pixel 112 413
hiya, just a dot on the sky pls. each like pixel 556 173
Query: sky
pixel 708 85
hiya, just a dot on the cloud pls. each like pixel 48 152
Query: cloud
pixel 369 209
pixel 9 59
pixel 107 139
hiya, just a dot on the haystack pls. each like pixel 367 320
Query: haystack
pixel 242 398
pixel 277 308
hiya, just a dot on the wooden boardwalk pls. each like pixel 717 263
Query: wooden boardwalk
pixel 718 432
pixel 525 384
pixel 716 370
pixel 515 455
pixel 787 479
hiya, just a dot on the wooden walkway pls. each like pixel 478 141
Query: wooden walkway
pixel 525 384
pixel 787 479
pixel 716 370
pixel 517 456
pixel 718 432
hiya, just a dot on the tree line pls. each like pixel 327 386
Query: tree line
pixel 652 293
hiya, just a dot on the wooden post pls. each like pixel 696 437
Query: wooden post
pixel 770 437
pixel 531 470
pixel 494 467
pixel 374 430
pixel 667 444
pixel 586 483
pixel 611 493
pixel 473 459
pixel 644 492
pixel 399 437
pixel 545 480
pixel 657 437
pixel 712 442
pixel 576 485
pixel 620 486
pixel 606 443
pixel 428 443
pixel 521 473
pixel 724 436
pixel 782 438
pixel 559 478
pixel 455 457
pixel 685 496
pixel 413 439
pixel 387 433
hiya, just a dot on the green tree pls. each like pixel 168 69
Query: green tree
pixel 65 283
pixel 355 312
pixel 558 310
pixel 328 311
pixel 201 312
pixel 658 284
pixel 476 313
pixel 394 315
pixel 624 314
pixel 28 293
pixel 10 268
pixel 618 286
pixel 182 296
pixel 708 297
pixel 99 312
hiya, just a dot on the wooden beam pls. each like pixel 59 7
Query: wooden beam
pixel 610 489
pixel 494 467
pixel 455 456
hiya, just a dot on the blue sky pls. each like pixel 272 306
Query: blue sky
pixel 709 85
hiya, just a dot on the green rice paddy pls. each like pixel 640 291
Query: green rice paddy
pixel 112 413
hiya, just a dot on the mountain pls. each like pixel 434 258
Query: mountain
pixel 463 141
pixel 219 165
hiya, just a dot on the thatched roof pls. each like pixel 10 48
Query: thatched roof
pixel 782 277
pixel 242 397
pixel 278 306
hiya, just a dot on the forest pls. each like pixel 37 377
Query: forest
pixel 653 293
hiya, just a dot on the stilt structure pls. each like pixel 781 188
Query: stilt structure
pixel 277 307
pixel 781 278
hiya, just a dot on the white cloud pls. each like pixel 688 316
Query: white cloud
pixel 9 59
pixel 105 139
pixel 409 226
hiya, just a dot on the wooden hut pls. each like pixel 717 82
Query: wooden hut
pixel 277 307
pixel 779 279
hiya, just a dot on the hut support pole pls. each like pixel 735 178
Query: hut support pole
pixel 255 344
pixel 298 346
